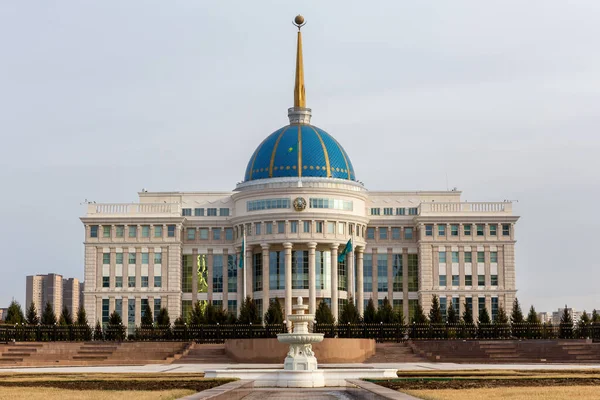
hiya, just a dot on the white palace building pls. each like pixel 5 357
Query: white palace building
pixel 299 204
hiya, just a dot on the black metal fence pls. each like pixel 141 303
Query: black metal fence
pixel 219 333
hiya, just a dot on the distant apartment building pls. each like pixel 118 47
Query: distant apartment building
pixel 71 294
pixel 3 312
pixel 544 317
pixel 556 315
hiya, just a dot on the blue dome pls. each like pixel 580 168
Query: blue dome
pixel 299 151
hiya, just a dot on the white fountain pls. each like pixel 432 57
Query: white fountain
pixel 300 365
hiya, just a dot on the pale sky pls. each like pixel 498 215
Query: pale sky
pixel 101 99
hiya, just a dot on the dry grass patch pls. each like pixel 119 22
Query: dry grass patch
pixel 36 393
pixel 513 393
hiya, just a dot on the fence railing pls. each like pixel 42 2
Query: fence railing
pixel 219 333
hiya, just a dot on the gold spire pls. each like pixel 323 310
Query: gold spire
pixel 299 94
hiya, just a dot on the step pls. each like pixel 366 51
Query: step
pixel 89 358
pixel 16 354
pixel 22 349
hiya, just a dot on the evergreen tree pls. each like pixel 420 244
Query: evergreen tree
pixel 210 314
pixel 81 316
pixel 595 317
pixel 196 316
pixel 232 319
pixel 516 317
pixel 386 313
pixel 370 314
pixel 484 317
pixel 115 319
pixel 452 316
pixel 274 314
pixel 179 321
pixel 221 315
pixel 501 317
pixel 14 314
pixel 32 315
pixel 400 316
pixel 349 313
pixel 583 325
pixel 249 313
pixel 65 317
pixel 467 316
pixel 323 315
pixel 163 318
pixel 435 313
pixel 419 317
pixel 98 335
pixel 147 317
pixel 566 324
pixel 532 317
pixel 48 316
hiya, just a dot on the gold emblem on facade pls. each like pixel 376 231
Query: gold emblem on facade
pixel 299 204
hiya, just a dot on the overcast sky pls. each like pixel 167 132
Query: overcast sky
pixel 101 99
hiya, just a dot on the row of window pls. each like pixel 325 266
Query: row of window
pixel 384 233
pixel 210 212
pixel 467 230
pixel 267 204
pixel 199 265
pixel 443 280
pixel 397 272
pixel 131 281
pixel 132 231
pixel 203 233
pixel 469 301
pixel 279 227
pixel 334 204
pixel 390 211
pixel 468 256
pixel 186 306
pixel 130 303
pixel 132 258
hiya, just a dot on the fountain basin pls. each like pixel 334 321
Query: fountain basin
pixel 300 338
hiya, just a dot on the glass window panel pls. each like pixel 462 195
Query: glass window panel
pixel 408 233
pixel 382 279
pixel 217 273
pixel 158 231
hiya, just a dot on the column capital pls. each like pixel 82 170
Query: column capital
pixel 265 246
pixel 360 249
pixel 334 246
pixel 311 245
pixel 288 246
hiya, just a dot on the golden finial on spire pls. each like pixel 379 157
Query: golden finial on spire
pixel 299 94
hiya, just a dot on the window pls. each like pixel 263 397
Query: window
pixel 368 272
pixel 232 307
pixel 269 226
pixel 106 231
pixel 481 304
pixel 443 307
pixel 306 226
pixel 455 256
pixel 144 304
pixel 469 304
pixel 157 258
pixel 397 272
pixel 442 255
pixel 340 227
pixel 105 281
pixel 375 211
pixel 396 233
pixel 468 257
pixel 342 275
pixel 442 280
pixel 216 233
pixel 157 306
pixel 171 230
pixel 408 233
pixel 331 227
pixel 494 280
pixel 494 256
pixel 131 258
pixel 505 229
pixel 299 269
pixel 330 203
pixel 280 226
pixel 203 233
pixel 145 231
pixel 157 281
pixel 186 212
pixel 119 281
pixel 428 230
pixel 145 258
pixel 453 230
pixel 294 227
pixel 119 258
pixel 228 234
pixel 468 280
pixel 158 231
pixel 455 280
pixel 383 233
pixel 479 230
pixel 413 211
pixel 131 281
pixel 400 211
pixel 413 273
pixel 191 233
pixel 493 231
pixel 198 212
pixel 412 308
pixel 232 269
pixel 267 204
pixel 481 280
pixel 480 257
pixel 218 273
pixel 388 211
pixel 132 231
pixel 257 270
pixel 370 233
pixel 94 231
pixel 319 227
pixel 323 269
pixel 467 230
pixel 144 281
pixel 105 311
pixel 276 270
pixel 382 279
pixel 120 231
pixel 105 258
pixel 258 228
pixel 211 212
pixel 441 230
pixel 187 268
pixel 494 308
pixel 224 212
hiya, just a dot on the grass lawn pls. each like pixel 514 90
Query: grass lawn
pixel 45 393
pixel 511 393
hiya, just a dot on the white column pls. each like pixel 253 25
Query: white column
pixel 351 285
pixel 288 281
pixel 334 280
pixel 359 279
pixel 312 291
pixel 265 276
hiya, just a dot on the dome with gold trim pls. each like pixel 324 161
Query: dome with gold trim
pixel 299 150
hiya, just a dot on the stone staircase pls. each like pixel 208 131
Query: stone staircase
pixel 205 354
pixel 394 353
pixel 16 353
pixel 95 352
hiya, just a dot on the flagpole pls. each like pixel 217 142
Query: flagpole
pixel 244 269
